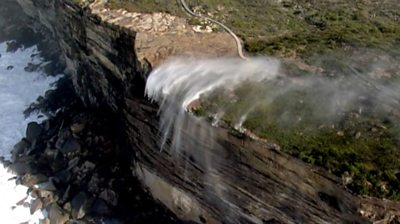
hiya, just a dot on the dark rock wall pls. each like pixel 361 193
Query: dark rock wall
pixel 16 24
pixel 100 57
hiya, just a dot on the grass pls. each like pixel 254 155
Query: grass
pixel 356 148
pixel 301 28
pixel 360 147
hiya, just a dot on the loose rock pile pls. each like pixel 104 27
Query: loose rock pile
pixel 78 171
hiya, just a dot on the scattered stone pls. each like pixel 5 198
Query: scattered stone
pixel 10 67
pixel 47 197
pixel 93 185
pixel 63 176
pixel 62 152
pixel 22 201
pixel 18 149
pixel 77 128
pixel 78 205
pixel 30 180
pixel 30 150
pixel 77 222
pixel 62 137
pixel 57 215
pixel 36 205
pixel 58 164
pixel 47 186
pixel 19 168
pixel 70 145
pixel 12 46
pixel 67 207
pixel 100 207
pixel 96 140
pixel 109 196
pixel 45 221
pixel 33 131
pixel 88 166
pixel 45 193
pixel 31 67
pixel 73 163
pixel 50 153
pixel 66 193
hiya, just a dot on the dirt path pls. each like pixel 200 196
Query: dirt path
pixel 238 41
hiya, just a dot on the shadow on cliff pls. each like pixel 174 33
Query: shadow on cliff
pixel 77 167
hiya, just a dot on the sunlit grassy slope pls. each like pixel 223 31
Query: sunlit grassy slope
pixel 301 27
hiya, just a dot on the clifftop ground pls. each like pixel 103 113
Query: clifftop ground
pixel 294 28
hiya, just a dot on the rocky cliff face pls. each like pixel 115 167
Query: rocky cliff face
pixel 100 59
pixel 108 53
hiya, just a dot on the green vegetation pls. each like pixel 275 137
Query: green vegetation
pixel 362 148
pixel 295 28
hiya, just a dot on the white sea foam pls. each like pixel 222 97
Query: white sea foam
pixel 18 89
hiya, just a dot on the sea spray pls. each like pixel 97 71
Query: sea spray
pixel 18 89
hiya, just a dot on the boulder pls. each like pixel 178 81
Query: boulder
pixel 57 215
pixel 71 145
pixel 100 207
pixel 18 149
pixel 63 176
pixel 30 180
pixel 33 131
pixel 13 46
pixel 47 186
pixel 77 128
pixel 109 196
pixel 19 168
pixel 31 67
pixel 44 221
pixel 79 205
pixel 36 205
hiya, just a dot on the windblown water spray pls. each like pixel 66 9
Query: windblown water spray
pixel 345 114
pixel 258 83
pixel 178 83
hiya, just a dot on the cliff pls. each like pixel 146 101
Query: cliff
pixel 109 54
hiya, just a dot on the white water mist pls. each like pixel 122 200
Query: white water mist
pixel 178 83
